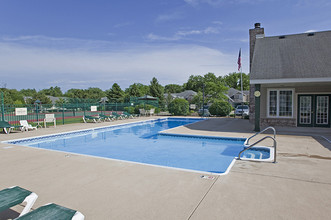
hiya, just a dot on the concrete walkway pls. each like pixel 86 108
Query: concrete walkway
pixel 297 187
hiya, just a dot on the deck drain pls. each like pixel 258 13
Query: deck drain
pixel 207 177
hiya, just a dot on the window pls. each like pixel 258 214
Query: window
pixel 280 103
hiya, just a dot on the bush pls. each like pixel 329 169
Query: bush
pixel 146 107
pixel 179 107
pixel 220 108
pixel 129 109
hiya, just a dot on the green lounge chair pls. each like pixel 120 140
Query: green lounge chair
pixel 117 116
pixel 128 115
pixel 5 125
pixel 15 195
pixel 52 212
pixel 87 118
pixel 106 118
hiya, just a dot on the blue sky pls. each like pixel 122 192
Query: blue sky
pixel 94 43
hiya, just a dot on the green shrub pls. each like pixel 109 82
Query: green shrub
pixel 220 108
pixel 130 109
pixel 146 107
pixel 179 107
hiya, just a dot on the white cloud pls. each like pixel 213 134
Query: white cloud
pixel 123 24
pixel 169 16
pixel 222 2
pixel 37 67
pixel 181 34
pixel 155 37
pixel 218 22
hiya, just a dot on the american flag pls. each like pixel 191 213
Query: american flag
pixel 239 60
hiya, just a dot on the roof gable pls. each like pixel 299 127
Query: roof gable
pixel 292 56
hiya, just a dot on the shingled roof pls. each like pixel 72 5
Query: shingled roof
pixel 305 55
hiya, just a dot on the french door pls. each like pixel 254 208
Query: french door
pixel 314 110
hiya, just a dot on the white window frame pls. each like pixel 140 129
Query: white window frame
pixel 277 111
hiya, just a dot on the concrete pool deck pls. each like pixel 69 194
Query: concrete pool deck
pixel 297 187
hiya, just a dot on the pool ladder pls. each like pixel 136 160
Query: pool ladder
pixel 260 140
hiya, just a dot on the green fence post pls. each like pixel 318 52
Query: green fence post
pixel 37 113
pixel 2 107
pixel 63 113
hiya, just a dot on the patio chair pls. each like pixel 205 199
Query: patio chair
pixel 87 118
pixel 117 116
pixel 26 126
pixel 50 118
pixel 52 212
pixel 128 115
pixel 15 195
pixel 152 111
pixel 106 117
pixel 5 125
pixel 142 112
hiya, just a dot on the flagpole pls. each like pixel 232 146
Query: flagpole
pixel 241 83
pixel 242 92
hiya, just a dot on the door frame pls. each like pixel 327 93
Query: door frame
pixel 314 108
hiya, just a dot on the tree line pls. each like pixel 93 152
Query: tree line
pixel 214 88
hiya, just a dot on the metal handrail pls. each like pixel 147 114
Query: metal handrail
pixel 272 128
pixel 262 139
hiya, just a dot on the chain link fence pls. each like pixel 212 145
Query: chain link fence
pixel 66 113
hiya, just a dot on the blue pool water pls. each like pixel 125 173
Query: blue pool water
pixel 141 142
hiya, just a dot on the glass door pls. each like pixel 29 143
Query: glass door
pixel 305 110
pixel 314 110
pixel 322 111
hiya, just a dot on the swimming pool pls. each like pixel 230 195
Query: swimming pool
pixel 142 142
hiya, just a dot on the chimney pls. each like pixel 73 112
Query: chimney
pixel 257 32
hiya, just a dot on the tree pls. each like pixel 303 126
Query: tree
pixel 115 94
pixel 61 101
pixel 197 99
pixel 76 94
pixel 168 99
pixel 179 107
pixel 12 96
pixel 220 108
pixel 214 87
pixel 28 92
pixel 194 83
pixel 134 91
pixel 94 93
pixel 173 88
pixel 41 97
pixel 52 91
pixel 157 90
pixel 233 80
pixel 215 91
pixel 144 89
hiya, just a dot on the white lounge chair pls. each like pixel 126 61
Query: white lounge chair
pixel 88 118
pixel 50 118
pixel 16 195
pixel 26 126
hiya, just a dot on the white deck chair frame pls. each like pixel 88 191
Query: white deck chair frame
pixel 26 126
